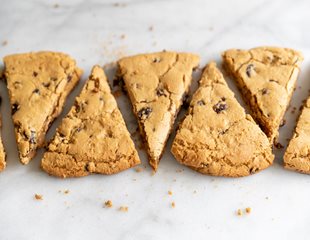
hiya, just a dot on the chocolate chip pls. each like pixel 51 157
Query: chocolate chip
pixel 15 108
pixel 249 70
pixel 35 74
pixel 201 103
pixel 223 99
pixel 219 107
pixel 37 91
pixel 32 139
pixel 271 80
pixel 156 60
pixel 264 91
pixel 161 92
pixel 69 78
pixel 144 113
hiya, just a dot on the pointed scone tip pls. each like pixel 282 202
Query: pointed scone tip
pixel 266 76
pixel 93 137
pixel 157 84
pixel 38 85
pixel 297 155
pixel 2 152
pixel 217 137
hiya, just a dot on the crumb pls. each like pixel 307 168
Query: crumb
pixel 239 212
pixel 119 4
pixel 123 209
pixel 195 192
pixel 66 191
pixel 56 5
pixel 151 28
pixel 108 204
pixel 38 197
pixel 278 145
pixel 138 169
pixel 179 170
pixel 248 210
pixel 294 110
pixel 283 122
pixel 123 36
pixel 117 93
pixel 169 192
pixel 266 198
pixel 173 204
pixel 4 43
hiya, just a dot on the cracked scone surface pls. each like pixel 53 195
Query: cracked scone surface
pixel 93 137
pixel 297 155
pixel 156 84
pixel 38 85
pixel 266 77
pixel 217 137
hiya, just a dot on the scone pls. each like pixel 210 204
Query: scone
pixel 217 137
pixel 93 137
pixel 38 85
pixel 156 84
pixel 2 152
pixel 266 77
pixel 297 155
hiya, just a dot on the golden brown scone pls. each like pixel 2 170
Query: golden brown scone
pixel 217 137
pixel 38 85
pixel 156 84
pixel 2 152
pixel 266 77
pixel 93 137
pixel 297 155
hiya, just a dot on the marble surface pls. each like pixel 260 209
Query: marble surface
pixel 99 32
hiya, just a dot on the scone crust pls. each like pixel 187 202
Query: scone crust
pixel 217 137
pixel 93 137
pixel 157 84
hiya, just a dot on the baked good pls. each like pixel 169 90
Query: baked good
pixel 156 84
pixel 93 137
pixel 266 77
pixel 38 85
pixel 2 152
pixel 297 155
pixel 217 137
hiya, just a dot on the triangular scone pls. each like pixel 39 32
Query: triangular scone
pixel 156 84
pixel 266 77
pixel 38 85
pixel 217 137
pixel 297 155
pixel 93 137
pixel 2 152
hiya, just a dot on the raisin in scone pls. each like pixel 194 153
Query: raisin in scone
pixel 217 137
pixel 38 85
pixel 297 155
pixel 93 137
pixel 156 84
pixel 266 77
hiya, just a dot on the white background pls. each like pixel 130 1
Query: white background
pixel 90 31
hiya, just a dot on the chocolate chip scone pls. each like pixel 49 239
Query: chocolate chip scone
pixel 38 85
pixel 156 84
pixel 93 137
pixel 297 155
pixel 266 77
pixel 217 137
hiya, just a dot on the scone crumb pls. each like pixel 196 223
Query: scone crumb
pixel 108 204
pixel 123 209
pixel 56 5
pixel 151 28
pixel 248 210
pixel 138 169
pixel 38 196
pixel 123 36
pixel 173 204
pixel 117 93
pixel 66 191
pixel 169 192
pixel 4 43
pixel 239 212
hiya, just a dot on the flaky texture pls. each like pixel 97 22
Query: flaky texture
pixel 266 77
pixel 297 155
pixel 156 84
pixel 93 137
pixel 217 137
pixel 38 85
